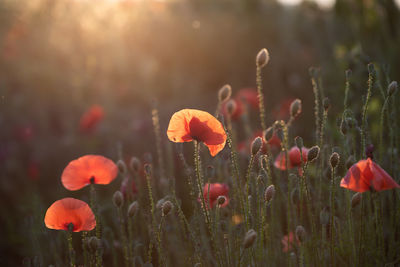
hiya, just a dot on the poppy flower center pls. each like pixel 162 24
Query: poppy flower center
pixel 91 180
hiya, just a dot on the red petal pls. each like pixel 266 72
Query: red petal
pixel 358 177
pixel 381 180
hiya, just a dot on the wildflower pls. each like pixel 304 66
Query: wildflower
pixel 224 93
pixel 288 241
pixel 365 175
pixel 313 153
pixel 269 193
pixel 190 124
pixel 334 160
pixel 68 211
pixel 262 58
pixel 118 199
pixel 294 158
pixel 91 118
pixel 392 88
pixel 89 169
pixel 133 208
pixel 216 190
pixel 295 108
pixel 256 145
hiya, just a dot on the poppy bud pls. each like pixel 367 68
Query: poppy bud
pixel 147 169
pixel 324 216
pixel 269 193
pixel 256 145
pixel 343 127
pixel 134 164
pixel 392 88
pixel 279 134
pixel 350 122
pixel 118 199
pixel 350 161
pixel 166 207
pixel 210 171
pixel 221 200
pixel 326 103
pixel 355 200
pixel 334 160
pixel 371 68
pixel 268 133
pixel 121 166
pixel 160 203
pixel 224 93
pixel 300 233
pixel 348 74
pixel 295 108
pixel 299 142
pixel 249 238
pixel 132 209
pixel 262 58
pixel 313 153
pixel 231 107
pixel 94 243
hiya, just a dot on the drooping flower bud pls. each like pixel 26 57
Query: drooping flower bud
pixel 295 108
pixel 300 233
pixel 334 160
pixel 299 142
pixel 249 238
pixel 269 193
pixel 262 58
pixel 134 164
pixel 313 153
pixel 122 166
pixel 167 207
pixel 231 107
pixel 132 209
pixel 224 93
pixel 356 199
pixel 118 199
pixel 221 200
pixel 256 145
pixel 392 88
pixel 268 133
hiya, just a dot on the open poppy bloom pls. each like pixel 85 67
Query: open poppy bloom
pixel 288 241
pixel 89 169
pixel 187 125
pixel 365 175
pixel 68 211
pixel 216 190
pixel 91 118
pixel 294 158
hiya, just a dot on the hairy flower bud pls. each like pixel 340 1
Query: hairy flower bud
pixel 249 238
pixel 268 133
pixel 313 153
pixel 122 166
pixel 231 107
pixel 392 88
pixel 262 58
pixel 334 160
pixel 256 145
pixel 295 108
pixel 166 207
pixel 221 200
pixel 299 142
pixel 132 209
pixel 134 164
pixel 356 199
pixel 118 199
pixel 269 193
pixel 224 93
pixel 300 233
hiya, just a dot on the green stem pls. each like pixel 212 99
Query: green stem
pixel 71 249
pixel 260 98
pixel 364 114
pixel 332 222
pixel 153 217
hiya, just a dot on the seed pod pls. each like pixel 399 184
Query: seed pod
pixel 256 145
pixel 122 167
pixel 334 160
pixel 299 142
pixel 249 238
pixel 295 108
pixel 132 209
pixel 262 58
pixel 221 200
pixel 147 169
pixel 313 153
pixel 231 107
pixel 356 199
pixel 268 133
pixel 118 199
pixel 269 193
pixel 392 88
pixel 300 233
pixel 326 103
pixel 324 216
pixel 224 93
pixel 94 243
pixel 343 127
pixel 350 161
pixel 167 207
pixel 134 164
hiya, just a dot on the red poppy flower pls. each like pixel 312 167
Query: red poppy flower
pixel 70 210
pixel 366 174
pixel 244 97
pixel 288 242
pixel 91 118
pixel 294 158
pixel 190 124
pixel 89 169
pixel 216 190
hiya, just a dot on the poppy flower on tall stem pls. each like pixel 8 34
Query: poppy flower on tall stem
pixel 246 97
pixel 91 118
pixel 211 192
pixel 295 158
pixel 367 175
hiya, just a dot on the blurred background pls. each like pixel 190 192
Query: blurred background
pixel 82 76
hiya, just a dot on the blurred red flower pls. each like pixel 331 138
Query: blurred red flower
pixel 244 147
pixel 70 210
pixel 187 125
pixel 89 169
pixel 294 158
pixel 288 241
pixel 24 133
pixel 365 175
pixel 243 98
pixel 91 118
pixel 216 190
